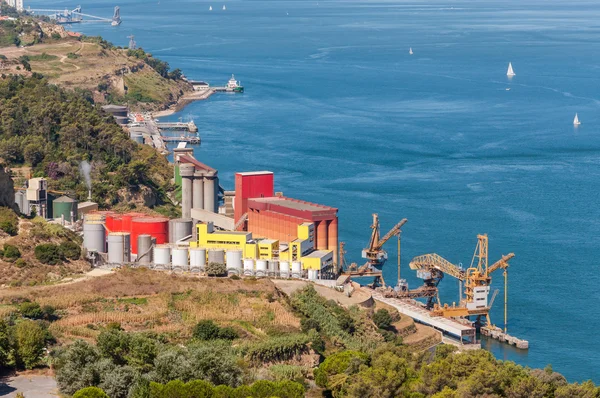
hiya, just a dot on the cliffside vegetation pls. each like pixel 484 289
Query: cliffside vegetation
pixel 53 130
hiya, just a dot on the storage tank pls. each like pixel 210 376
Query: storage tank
pixel 127 217
pixel 180 257
pixel 273 268
pixel 312 274
pixel 157 227
pixel 216 256
pixel 162 255
pixel 114 223
pixel 284 269
pixel 197 259
pixel 65 207
pixel 94 238
pixel 261 268
pixel 248 267
pixel 179 228
pixel 234 261
pixel 119 247
pixel 296 269
pixel 144 244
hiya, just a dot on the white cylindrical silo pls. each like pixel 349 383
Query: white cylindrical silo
pixel 296 269
pixel 248 267
pixel 119 247
pixel 197 259
pixel 284 269
pixel 261 268
pixel 234 261
pixel 312 274
pixel 216 256
pixel 180 257
pixel 274 268
pixel 94 236
pixel 144 249
pixel 162 255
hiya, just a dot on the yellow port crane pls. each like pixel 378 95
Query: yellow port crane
pixel 477 280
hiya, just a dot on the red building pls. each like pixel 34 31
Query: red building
pixel 255 184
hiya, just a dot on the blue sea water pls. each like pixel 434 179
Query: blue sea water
pixel 344 116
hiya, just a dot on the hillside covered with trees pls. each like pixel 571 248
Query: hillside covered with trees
pixel 53 130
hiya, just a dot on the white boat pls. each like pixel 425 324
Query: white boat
pixel 224 8
pixel 576 121
pixel 410 51
pixel 510 71
pixel 210 8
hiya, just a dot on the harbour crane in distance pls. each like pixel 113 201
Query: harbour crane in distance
pixel 476 279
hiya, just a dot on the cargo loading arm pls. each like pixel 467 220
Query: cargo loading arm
pixel 432 260
pixel 502 263
pixel 393 232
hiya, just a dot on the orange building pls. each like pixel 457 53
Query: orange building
pixel 279 217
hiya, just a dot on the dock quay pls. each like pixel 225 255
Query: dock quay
pixel 466 334
pixel 189 139
pixel 498 334
pixel 189 126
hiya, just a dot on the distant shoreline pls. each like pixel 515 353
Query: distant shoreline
pixel 184 101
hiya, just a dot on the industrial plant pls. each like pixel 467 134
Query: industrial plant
pixel 254 231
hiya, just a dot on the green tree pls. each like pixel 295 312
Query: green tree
pixel 382 319
pixel 31 310
pixel 76 367
pixel 117 381
pixel 343 363
pixel 90 392
pixel 30 340
pixel 114 344
pixel 48 253
pixel 34 153
pixel 215 362
pixel 5 346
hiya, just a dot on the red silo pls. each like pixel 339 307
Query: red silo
pixel 157 227
pixel 127 217
pixel 114 223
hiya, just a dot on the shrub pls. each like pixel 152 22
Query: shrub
pixel 216 269
pixel 11 252
pixel 90 392
pixel 30 310
pixel 206 330
pixel 9 222
pixel 228 333
pixel 48 253
pixel 339 363
pixel 382 319
pixel 309 324
pixel 21 263
pixel 70 250
pixel 278 348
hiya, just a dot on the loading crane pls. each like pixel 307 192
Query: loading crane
pixel 76 15
pixel 374 254
pixel 476 279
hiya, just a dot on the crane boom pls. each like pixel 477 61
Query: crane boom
pixel 433 260
pixel 502 263
pixel 393 232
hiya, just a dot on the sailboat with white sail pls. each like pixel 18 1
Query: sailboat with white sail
pixel 210 8
pixel 410 51
pixel 510 71
pixel 576 121
pixel 224 8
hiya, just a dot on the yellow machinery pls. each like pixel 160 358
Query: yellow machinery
pixel 476 279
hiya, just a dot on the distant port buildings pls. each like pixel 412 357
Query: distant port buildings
pixel 18 4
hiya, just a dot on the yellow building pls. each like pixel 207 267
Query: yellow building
pixel 266 249
pixel 317 260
